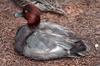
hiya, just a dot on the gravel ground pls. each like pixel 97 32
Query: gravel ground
pixel 83 18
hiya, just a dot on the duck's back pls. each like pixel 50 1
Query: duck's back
pixel 49 41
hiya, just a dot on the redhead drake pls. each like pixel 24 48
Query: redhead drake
pixel 54 6
pixel 42 40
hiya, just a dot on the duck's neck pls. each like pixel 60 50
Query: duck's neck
pixel 34 22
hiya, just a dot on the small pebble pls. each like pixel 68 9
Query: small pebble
pixel 96 45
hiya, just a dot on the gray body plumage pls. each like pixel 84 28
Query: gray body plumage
pixel 48 41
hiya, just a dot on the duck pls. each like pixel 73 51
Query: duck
pixel 45 40
pixel 52 6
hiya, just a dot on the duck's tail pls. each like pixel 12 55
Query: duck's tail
pixel 21 3
pixel 53 6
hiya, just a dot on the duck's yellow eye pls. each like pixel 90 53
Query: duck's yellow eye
pixel 26 11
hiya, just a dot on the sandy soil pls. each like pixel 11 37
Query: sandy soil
pixel 83 18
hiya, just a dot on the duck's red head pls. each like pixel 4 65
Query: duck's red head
pixel 32 14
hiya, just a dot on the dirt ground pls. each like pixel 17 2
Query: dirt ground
pixel 83 17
